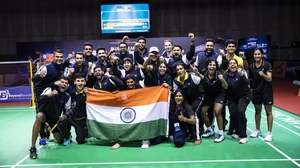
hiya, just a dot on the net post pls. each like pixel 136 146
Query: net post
pixel 32 102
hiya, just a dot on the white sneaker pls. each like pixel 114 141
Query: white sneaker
pixel 255 134
pixel 243 140
pixel 269 137
pixel 235 136
pixel 208 133
pixel 219 138
pixel 145 144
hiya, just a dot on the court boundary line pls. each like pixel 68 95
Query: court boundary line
pixel 276 122
pixel 278 150
pixel 253 122
pixel 18 164
pixel 152 162
pixel 27 156
pixel 271 145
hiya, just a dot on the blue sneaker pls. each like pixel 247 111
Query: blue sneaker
pixel 219 138
pixel 67 141
pixel 208 133
pixel 43 142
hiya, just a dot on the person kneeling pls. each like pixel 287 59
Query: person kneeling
pixel 185 125
pixel 52 103
pixel 76 116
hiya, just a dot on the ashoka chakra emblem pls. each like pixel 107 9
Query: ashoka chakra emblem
pixel 127 115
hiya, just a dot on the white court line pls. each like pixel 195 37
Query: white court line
pixel 153 162
pixel 285 155
pixel 276 123
pixel 253 122
pixel 282 153
pixel 19 162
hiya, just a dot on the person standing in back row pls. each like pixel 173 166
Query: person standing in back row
pixel 223 60
pixel 238 94
pixel 260 73
pixel 46 76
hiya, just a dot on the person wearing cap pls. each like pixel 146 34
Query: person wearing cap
pixel 184 122
pixel 152 61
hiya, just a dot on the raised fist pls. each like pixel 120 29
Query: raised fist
pixel 220 77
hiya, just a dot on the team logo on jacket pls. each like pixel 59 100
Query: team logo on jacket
pixel 127 115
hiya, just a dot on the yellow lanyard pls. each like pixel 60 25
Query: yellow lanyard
pixel 100 84
pixel 77 93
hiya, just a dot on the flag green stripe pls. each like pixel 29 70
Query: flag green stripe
pixel 127 132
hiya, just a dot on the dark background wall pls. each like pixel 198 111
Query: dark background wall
pixel 56 20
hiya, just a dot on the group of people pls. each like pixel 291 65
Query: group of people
pixel 201 84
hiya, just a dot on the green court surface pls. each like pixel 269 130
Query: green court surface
pixel 283 151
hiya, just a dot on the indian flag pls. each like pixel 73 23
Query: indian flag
pixel 137 114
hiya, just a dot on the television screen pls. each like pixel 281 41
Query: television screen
pixel 125 18
pixel 248 45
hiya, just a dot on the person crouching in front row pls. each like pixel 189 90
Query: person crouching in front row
pixel 185 122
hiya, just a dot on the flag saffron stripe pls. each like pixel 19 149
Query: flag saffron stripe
pixel 129 98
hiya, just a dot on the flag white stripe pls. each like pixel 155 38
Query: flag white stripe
pixel 168 121
pixel 112 115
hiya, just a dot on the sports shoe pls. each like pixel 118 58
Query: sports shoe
pixel 255 134
pixel 33 154
pixel 67 141
pixel 219 138
pixel 145 144
pixel 235 136
pixel 208 133
pixel 43 141
pixel 243 140
pixel 269 137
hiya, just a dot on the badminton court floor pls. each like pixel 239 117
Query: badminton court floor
pixel 283 152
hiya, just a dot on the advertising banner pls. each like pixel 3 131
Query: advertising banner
pixel 15 94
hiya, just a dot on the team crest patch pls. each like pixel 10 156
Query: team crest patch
pixel 127 115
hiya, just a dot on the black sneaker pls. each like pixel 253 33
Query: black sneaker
pixel 33 154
